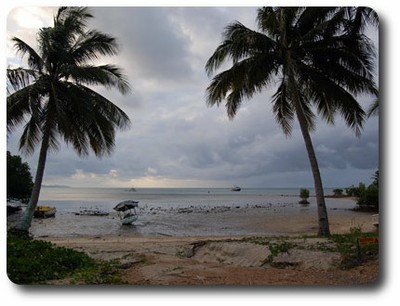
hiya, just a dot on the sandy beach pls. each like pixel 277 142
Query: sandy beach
pixel 234 260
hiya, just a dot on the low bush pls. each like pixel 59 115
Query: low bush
pixel 33 261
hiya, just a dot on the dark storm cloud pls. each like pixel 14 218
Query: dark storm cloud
pixel 151 49
pixel 175 136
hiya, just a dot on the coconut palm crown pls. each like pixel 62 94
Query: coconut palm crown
pixel 319 60
pixel 53 97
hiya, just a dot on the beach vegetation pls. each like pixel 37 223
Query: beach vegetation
pixel 53 94
pixel 337 192
pixel 103 272
pixel 19 178
pixel 367 196
pixel 31 261
pixel 320 61
pixel 304 195
pixel 346 245
pixel 281 247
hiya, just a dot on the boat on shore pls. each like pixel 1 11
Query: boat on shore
pixel 127 211
pixel 236 188
pixel 14 206
pixel 92 212
pixel 44 211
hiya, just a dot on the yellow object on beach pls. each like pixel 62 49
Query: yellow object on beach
pixel 43 208
pixel 44 211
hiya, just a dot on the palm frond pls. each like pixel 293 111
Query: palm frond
pixel 25 102
pixel 19 78
pixel 31 136
pixel 239 43
pixel 373 110
pixel 35 62
pixel 87 120
pixel 106 75
pixel 242 81
pixel 282 108
pixel 330 97
pixel 91 45
pixel 359 17
pixel 72 17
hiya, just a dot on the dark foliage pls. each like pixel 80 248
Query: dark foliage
pixel 19 178
pixel 33 261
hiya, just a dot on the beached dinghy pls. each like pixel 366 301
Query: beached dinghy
pixel 43 211
pixel 127 211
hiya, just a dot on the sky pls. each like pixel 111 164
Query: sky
pixel 175 139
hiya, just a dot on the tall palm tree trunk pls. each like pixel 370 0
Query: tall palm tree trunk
pixel 319 191
pixel 323 222
pixel 25 222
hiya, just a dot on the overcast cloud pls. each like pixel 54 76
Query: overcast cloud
pixel 175 139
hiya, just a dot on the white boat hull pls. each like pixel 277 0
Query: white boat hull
pixel 129 219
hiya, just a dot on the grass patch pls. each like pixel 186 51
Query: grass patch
pixel 276 248
pixel 32 261
pixel 345 244
pixel 347 247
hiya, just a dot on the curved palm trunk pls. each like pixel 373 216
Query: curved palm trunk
pixel 319 191
pixel 25 222
pixel 323 229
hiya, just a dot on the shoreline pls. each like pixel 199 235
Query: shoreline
pixel 234 222
pixel 207 220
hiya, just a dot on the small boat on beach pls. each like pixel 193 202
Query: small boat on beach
pixel 13 207
pixel 92 212
pixel 127 211
pixel 44 211
pixel 236 188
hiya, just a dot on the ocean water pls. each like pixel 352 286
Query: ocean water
pixel 170 211
pixel 67 199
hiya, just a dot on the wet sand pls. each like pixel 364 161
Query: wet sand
pixel 264 219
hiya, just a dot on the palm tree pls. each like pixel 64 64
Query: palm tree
pixel 52 96
pixel 319 67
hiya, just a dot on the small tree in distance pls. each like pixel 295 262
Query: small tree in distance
pixel 304 195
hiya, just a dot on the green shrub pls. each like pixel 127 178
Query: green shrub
pixel 370 196
pixel 346 246
pixel 304 195
pixel 34 261
pixel 338 191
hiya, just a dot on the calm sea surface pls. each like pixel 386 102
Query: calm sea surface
pixel 105 198
pixel 168 211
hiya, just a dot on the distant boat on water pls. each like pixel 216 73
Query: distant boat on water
pixel 236 188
